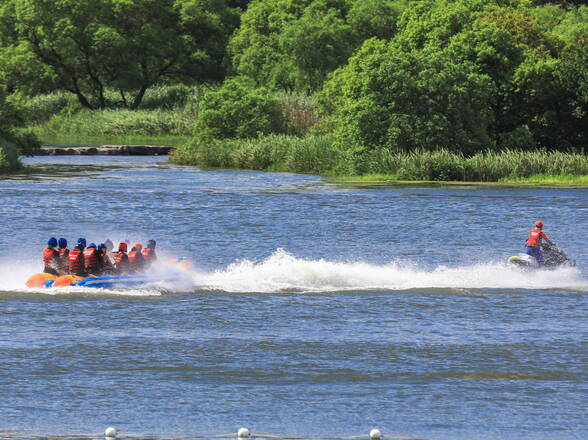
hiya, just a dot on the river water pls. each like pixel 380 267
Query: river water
pixel 311 308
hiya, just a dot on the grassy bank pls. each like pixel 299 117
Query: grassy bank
pixel 316 154
pixel 167 116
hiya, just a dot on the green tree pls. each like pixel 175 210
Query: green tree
pixel 128 45
pixel 295 44
pixel 405 101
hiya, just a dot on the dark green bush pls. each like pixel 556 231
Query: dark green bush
pixel 238 109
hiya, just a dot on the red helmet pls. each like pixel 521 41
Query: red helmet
pixel 138 246
pixel 122 246
pixel 539 223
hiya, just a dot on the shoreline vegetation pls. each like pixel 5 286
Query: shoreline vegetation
pixel 319 155
pixel 355 90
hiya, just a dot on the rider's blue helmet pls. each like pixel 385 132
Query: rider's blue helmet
pixel 92 245
pixel 62 243
pixel 101 246
pixel 82 242
pixel 52 241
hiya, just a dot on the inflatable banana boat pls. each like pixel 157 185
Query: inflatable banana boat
pixel 44 279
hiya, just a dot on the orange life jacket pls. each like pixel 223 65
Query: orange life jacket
pixel 136 260
pixel 76 261
pixel 535 236
pixel 90 258
pixel 121 261
pixel 148 255
pixel 51 258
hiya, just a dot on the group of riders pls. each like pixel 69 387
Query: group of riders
pixel 95 260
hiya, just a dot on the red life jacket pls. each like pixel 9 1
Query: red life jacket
pixel 148 255
pixel 121 261
pixel 51 258
pixel 76 261
pixel 63 259
pixel 90 258
pixel 535 236
pixel 136 261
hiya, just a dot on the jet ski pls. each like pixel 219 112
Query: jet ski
pixel 553 258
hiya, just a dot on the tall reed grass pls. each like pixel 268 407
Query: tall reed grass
pixel 311 154
pixel 118 123
pixel 316 154
pixel 166 110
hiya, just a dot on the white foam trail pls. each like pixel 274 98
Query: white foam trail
pixel 282 271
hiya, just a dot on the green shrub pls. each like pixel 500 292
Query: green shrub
pixel 41 108
pixel 8 156
pixel 240 110
pixel 175 96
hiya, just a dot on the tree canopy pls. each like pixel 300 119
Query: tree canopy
pixel 87 46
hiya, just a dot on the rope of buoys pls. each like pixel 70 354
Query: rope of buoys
pixel 112 433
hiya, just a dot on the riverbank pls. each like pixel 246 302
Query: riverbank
pixel 319 155
pixel 534 180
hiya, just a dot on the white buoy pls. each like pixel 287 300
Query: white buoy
pixel 243 433
pixel 375 434
pixel 110 432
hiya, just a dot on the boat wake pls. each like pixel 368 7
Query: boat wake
pixel 284 272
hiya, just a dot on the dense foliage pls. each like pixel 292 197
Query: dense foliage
pixel 381 77
pixel 238 109
pixel 295 44
pixel 463 76
pixel 12 143
pixel 86 47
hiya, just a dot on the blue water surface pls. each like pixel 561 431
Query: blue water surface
pixel 310 309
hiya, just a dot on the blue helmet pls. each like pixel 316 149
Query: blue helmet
pixel 82 242
pixel 62 243
pixel 92 245
pixel 151 244
pixel 52 241
pixel 101 246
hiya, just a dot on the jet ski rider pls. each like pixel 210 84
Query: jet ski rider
pixel 534 243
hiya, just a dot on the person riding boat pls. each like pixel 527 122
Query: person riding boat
pixel 109 245
pixel 63 256
pixel 149 253
pixel 51 257
pixel 534 242
pixel 136 260
pixel 107 266
pixel 121 259
pixel 75 259
pixel 92 260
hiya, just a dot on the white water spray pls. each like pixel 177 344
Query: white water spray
pixel 283 272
